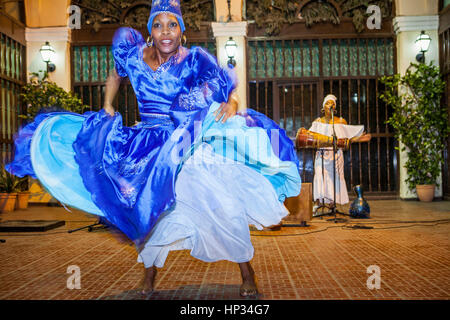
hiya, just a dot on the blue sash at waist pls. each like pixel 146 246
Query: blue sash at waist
pixel 156 119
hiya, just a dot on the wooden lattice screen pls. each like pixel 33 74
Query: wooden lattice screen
pixel 12 78
pixel 444 62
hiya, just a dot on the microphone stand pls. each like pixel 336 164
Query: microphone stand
pixel 322 205
pixel 333 207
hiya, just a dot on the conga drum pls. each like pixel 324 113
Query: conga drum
pixel 300 207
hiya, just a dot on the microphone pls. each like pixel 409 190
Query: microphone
pixel 333 108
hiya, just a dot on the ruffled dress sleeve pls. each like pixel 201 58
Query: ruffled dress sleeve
pixel 207 83
pixel 124 40
pixel 216 82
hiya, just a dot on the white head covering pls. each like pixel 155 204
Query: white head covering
pixel 328 97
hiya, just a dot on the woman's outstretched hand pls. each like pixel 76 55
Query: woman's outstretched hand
pixel 227 109
pixel 365 137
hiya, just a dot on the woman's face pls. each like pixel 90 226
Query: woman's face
pixel 329 105
pixel 166 33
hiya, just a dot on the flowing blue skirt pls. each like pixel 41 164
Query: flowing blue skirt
pixel 213 226
pixel 233 174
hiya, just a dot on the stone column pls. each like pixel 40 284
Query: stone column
pixel 46 20
pixel 223 29
pixel 237 30
pixel 59 39
pixel 412 17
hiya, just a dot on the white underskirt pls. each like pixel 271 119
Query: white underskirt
pixel 215 203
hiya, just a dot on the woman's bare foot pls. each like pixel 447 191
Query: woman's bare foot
pixel 249 286
pixel 149 280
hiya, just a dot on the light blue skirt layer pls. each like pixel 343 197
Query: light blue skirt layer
pixel 253 147
pixel 52 157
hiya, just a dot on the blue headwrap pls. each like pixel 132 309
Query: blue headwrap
pixel 165 6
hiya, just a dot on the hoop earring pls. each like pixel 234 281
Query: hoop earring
pixel 183 40
pixel 149 43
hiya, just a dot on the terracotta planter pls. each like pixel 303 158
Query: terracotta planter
pixel 425 192
pixel 7 202
pixel 22 200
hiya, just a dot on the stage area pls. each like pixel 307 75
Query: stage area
pixel 323 261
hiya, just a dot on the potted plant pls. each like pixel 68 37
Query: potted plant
pixel 8 190
pixel 43 94
pixel 420 123
pixel 23 194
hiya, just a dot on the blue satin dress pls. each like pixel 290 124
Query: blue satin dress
pixel 176 180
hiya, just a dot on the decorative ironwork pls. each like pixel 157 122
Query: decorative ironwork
pixel 273 14
pixel 135 13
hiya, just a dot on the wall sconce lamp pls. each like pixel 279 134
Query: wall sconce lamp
pixel 230 48
pixel 48 54
pixel 422 43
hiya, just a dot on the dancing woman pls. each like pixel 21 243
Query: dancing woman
pixel 170 182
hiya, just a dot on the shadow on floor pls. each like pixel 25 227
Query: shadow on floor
pixel 187 292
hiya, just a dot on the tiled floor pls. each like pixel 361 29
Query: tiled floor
pixel 294 263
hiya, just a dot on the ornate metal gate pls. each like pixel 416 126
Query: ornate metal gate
pixel 288 76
